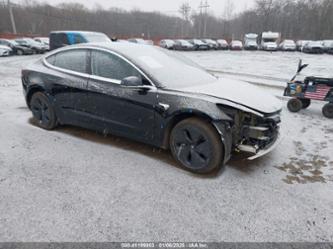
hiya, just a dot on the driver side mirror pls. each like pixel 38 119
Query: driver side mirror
pixel 132 81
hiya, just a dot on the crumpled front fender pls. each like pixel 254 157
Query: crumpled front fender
pixel 224 129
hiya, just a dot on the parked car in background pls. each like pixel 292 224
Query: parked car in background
pixel 36 47
pixel 287 45
pixel 236 45
pixel 199 45
pixel 167 43
pixel 211 43
pixel 154 97
pixel 5 51
pixel 313 47
pixel 269 41
pixel 328 46
pixel 140 41
pixel 183 45
pixel 250 42
pixel 17 49
pixel 60 39
pixel 222 44
pixel 150 42
pixel 43 40
pixel 300 44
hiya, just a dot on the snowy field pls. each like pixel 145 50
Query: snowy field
pixel 262 67
pixel 75 185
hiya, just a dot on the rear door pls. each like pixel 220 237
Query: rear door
pixel 121 110
pixel 68 81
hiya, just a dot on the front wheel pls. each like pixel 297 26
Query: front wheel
pixel 328 110
pixel 43 111
pixel 196 145
pixel 20 52
pixel 294 105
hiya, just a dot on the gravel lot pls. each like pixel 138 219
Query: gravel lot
pixel 75 185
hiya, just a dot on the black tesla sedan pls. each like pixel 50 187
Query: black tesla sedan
pixel 154 96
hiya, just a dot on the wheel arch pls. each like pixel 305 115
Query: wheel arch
pixel 32 91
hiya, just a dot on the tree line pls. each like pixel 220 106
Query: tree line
pixel 295 19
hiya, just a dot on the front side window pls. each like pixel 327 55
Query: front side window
pixel 74 60
pixel 110 66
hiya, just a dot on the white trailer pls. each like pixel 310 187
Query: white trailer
pixel 250 41
pixel 269 41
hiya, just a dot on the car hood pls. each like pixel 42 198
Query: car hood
pixel 239 92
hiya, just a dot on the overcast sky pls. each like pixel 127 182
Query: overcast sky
pixel 166 6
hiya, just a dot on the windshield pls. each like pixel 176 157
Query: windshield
pixel 269 40
pixel 22 42
pixel 289 42
pixel 97 38
pixel 12 42
pixel 169 69
pixel 184 43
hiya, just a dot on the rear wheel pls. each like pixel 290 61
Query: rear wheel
pixel 294 105
pixel 328 110
pixel 305 103
pixel 196 145
pixel 43 111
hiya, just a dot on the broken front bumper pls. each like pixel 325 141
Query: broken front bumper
pixel 268 149
pixel 260 140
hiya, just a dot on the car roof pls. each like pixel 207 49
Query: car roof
pixel 112 46
pixel 74 31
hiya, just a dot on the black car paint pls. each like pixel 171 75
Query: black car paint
pixel 143 114
pixel 112 108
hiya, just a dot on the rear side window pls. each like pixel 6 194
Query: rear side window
pixel 110 66
pixel 74 60
pixel 58 40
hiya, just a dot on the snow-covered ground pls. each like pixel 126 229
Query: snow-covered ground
pixel 262 67
pixel 75 185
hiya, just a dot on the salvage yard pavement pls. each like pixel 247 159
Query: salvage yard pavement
pixel 75 185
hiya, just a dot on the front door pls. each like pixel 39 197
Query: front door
pixel 121 110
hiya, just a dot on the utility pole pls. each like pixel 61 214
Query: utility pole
pixel 11 16
pixel 205 6
pixel 184 10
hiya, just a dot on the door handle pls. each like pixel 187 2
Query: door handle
pixel 161 107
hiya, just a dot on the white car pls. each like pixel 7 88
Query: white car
pixel 288 45
pixel 211 43
pixel 5 51
pixel 313 47
pixel 328 46
pixel 300 44
pixel 168 44
pixel 222 44
pixel 140 41
pixel 183 45
pixel 44 41
pixel 236 45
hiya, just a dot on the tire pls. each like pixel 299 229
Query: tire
pixel 294 105
pixel 305 103
pixel 197 146
pixel 43 111
pixel 20 52
pixel 328 110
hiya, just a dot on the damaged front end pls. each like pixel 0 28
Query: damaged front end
pixel 256 135
pixel 252 134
